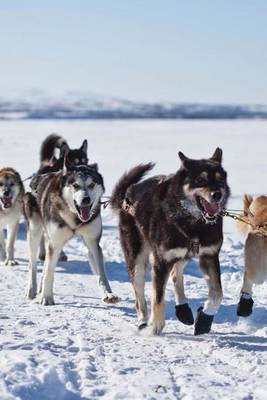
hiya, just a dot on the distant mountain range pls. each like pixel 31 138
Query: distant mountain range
pixel 37 104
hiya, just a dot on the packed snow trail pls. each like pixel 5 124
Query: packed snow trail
pixel 82 348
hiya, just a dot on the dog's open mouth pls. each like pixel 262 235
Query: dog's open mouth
pixel 209 210
pixel 6 202
pixel 83 212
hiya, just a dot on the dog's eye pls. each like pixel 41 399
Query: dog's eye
pixel 11 184
pixel 92 185
pixel 76 186
pixel 1 184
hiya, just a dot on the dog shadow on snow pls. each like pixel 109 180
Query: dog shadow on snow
pixel 118 272
pixel 115 271
pixel 226 315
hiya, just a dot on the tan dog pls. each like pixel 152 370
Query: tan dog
pixel 255 212
pixel 11 194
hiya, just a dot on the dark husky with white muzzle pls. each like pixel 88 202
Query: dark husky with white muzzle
pixel 168 220
pixel 66 203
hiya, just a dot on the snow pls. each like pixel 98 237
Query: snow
pixel 82 348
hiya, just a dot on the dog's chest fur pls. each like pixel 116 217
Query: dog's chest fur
pixel 12 214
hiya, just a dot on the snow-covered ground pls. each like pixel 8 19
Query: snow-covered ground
pixel 83 349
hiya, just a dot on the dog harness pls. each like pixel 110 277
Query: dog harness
pixel 193 245
pixel 128 207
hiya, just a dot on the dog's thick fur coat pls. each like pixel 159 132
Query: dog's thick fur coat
pixel 168 220
pixel 255 211
pixel 11 209
pixel 67 203
pixel 51 162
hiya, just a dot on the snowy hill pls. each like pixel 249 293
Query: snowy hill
pixel 36 104
pixel 83 349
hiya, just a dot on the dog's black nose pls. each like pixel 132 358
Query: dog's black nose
pixel 216 196
pixel 86 201
pixel 7 192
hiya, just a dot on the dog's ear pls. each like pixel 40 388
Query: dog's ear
pixel 64 149
pixel 185 160
pixel 94 166
pixel 84 146
pixel 217 156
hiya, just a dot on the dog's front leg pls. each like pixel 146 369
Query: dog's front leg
pixel 42 249
pixel 2 245
pixel 182 310
pixel 161 272
pixel 56 239
pixel 63 256
pixel 245 305
pixel 33 238
pixel 210 266
pixel 11 237
pixel 52 254
pixel 96 261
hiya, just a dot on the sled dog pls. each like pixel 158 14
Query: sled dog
pixel 255 211
pixel 168 220
pixel 11 209
pixel 66 203
pixel 49 162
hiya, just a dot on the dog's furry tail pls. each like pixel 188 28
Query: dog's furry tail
pixel 129 178
pixel 49 145
pixel 242 226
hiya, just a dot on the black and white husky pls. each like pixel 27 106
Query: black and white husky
pixel 168 220
pixel 66 203
pixel 51 162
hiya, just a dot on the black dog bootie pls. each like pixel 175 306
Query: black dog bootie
pixel 203 322
pixel 244 307
pixel 184 314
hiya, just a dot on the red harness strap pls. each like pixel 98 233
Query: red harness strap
pixel 129 208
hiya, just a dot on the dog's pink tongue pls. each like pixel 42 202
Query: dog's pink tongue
pixel 211 208
pixel 85 213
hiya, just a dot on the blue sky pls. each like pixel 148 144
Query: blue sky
pixel 202 50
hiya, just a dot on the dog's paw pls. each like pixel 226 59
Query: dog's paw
pixel 141 324
pixel 11 262
pixel 244 307
pixel 111 298
pixel 203 322
pixel 184 314
pixel 63 256
pixel 47 300
pixel 41 257
pixel 31 293
pixel 157 326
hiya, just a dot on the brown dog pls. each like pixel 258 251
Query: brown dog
pixel 255 212
pixel 11 194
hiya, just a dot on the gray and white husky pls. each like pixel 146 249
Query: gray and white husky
pixel 67 203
